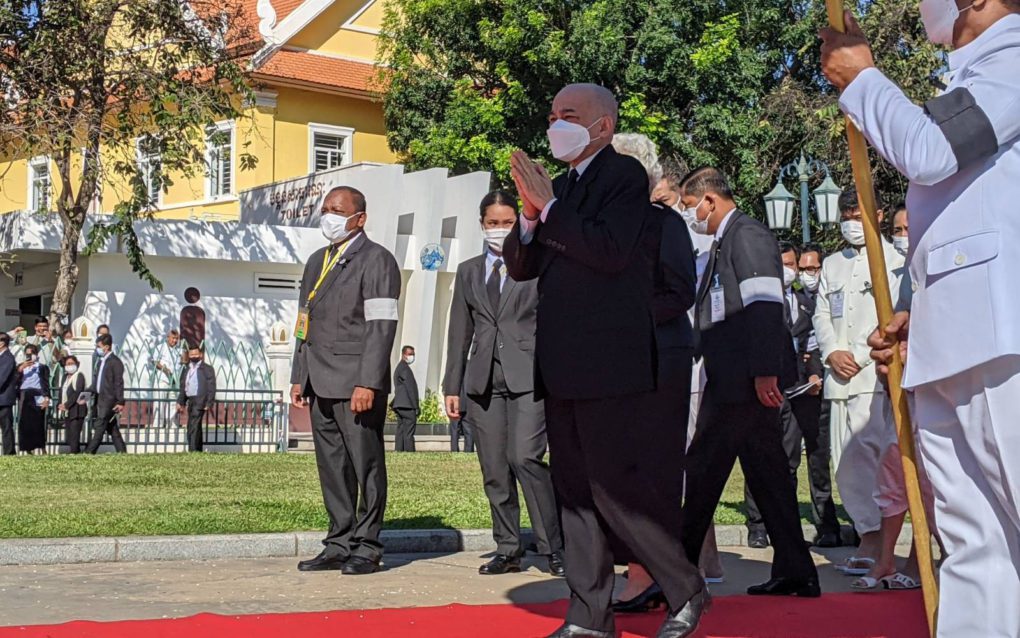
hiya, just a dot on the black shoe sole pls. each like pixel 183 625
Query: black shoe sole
pixel 508 570
pixel 320 568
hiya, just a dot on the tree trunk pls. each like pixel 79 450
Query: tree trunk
pixel 67 271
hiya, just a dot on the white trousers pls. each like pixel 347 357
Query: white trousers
pixel 861 432
pixel 970 442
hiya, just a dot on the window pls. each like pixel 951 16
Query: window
pixel 330 147
pixel 220 156
pixel 148 153
pixel 40 184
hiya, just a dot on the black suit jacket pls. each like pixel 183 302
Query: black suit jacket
pixel 675 278
pixel 405 388
pixel 483 331
pixel 8 380
pixel 753 340
pixel 594 335
pixel 69 397
pixel 206 386
pixel 111 391
pixel 809 357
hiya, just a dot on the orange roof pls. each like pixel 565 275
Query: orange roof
pixel 324 71
pixel 283 8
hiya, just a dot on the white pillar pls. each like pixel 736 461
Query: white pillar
pixel 280 354
pixel 83 346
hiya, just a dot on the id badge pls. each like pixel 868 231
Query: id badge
pixel 718 301
pixel 301 327
pixel 836 304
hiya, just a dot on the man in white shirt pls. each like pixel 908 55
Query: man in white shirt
pixel 961 153
pixel 166 363
pixel 860 426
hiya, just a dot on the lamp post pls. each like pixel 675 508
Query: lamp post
pixel 780 203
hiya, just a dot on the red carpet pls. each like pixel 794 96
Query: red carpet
pixel 885 615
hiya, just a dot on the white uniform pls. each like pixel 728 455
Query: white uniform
pixel 164 408
pixel 860 427
pixel 962 156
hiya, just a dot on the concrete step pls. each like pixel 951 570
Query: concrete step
pixel 302 443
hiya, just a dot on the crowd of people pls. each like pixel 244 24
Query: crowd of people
pixel 42 378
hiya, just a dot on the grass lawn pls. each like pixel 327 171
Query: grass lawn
pixel 107 495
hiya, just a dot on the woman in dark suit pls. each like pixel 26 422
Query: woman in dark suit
pixel 74 413
pixel 35 399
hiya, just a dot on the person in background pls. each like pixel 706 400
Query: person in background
pixel 103 329
pixel 43 339
pixel 108 394
pixel 73 409
pixel 900 230
pixel 166 372
pixel 8 394
pixel 64 350
pixel 19 339
pixel 197 395
pixel 860 429
pixel 406 402
pixel 35 399
pixel 461 427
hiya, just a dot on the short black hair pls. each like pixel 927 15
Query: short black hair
pixel 39 320
pixel 69 358
pixel 813 248
pixel 405 349
pixel 789 247
pixel 360 205
pixel 101 326
pixel 104 340
pixel 848 200
pixel 5 338
pixel 31 349
pixel 706 179
pixel 497 198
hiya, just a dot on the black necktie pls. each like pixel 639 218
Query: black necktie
pixel 492 286
pixel 789 310
pixel 572 177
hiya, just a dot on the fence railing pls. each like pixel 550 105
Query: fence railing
pixel 248 421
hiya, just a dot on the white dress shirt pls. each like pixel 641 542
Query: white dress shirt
pixel 99 374
pixel 191 384
pixel 490 259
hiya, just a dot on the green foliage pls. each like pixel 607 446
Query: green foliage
pixel 432 409
pixel 734 83
pixel 85 75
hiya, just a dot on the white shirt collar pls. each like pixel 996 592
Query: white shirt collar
pixel 960 57
pixel 491 257
pixel 583 166
pixel 723 224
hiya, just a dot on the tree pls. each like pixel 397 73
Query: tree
pixel 735 83
pixel 84 80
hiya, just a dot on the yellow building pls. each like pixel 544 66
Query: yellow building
pixel 315 109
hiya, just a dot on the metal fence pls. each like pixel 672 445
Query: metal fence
pixel 248 421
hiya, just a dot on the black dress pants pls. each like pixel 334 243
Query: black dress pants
pixel 7 429
pixel 407 423
pixel 196 418
pixel 608 462
pixel 801 418
pixel 106 421
pixel 72 432
pixel 458 429
pixel 351 458
pixel 752 433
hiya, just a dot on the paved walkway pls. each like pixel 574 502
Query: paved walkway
pixel 35 594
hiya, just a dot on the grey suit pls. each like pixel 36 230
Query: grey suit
pixel 353 321
pixel 507 420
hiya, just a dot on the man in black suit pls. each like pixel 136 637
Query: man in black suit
pixel 345 331
pixel 108 390
pixel 749 356
pixel 800 414
pixel 492 318
pixel 406 402
pixel 196 396
pixel 8 393
pixel 583 238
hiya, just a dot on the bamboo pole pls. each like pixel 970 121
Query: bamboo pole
pixel 883 304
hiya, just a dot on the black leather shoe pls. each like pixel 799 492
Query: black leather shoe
pixel 800 587
pixel 322 563
pixel 501 564
pixel 685 622
pixel 556 565
pixel 573 631
pixel 828 539
pixel 757 539
pixel 649 599
pixel 360 566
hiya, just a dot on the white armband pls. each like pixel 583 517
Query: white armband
pixel 380 309
pixel 761 289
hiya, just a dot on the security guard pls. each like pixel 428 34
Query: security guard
pixel 961 153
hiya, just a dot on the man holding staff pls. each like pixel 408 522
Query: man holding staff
pixel 961 152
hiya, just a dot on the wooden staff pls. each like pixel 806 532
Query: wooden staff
pixel 883 304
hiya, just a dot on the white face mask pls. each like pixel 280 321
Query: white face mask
pixel 494 238
pixel 809 281
pixel 71 369
pixel 568 140
pixel 939 18
pixel 409 359
pixel 334 227
pixel 901 244
pixel 853 232
pixel 789 276
pixel 690 216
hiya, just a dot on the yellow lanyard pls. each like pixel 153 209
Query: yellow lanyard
pixel 328 263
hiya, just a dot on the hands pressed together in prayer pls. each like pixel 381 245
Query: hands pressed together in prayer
pixel 533 184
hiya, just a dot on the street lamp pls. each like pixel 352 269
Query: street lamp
pixel 780 203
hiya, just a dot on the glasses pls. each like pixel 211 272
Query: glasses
pixel 814 270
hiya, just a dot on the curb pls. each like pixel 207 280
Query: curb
pixel 61 551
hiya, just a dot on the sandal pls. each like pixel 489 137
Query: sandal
pixel 899 581
pixel 855 566
pixel 866 583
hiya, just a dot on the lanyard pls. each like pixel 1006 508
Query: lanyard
pixel 328 263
